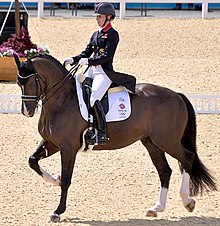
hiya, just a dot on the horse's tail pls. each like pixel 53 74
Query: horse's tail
pixel 200 177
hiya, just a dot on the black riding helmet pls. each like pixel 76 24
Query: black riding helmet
pixel 105 8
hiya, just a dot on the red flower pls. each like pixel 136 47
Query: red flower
pixel 20 43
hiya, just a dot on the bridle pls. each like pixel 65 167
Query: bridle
pixel 29 97
pixel 45 96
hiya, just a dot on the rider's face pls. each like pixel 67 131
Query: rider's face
pixel 100 20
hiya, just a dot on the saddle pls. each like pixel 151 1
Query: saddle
pixel 115 102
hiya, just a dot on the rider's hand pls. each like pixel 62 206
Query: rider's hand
pixel 68 61
pixel 83 61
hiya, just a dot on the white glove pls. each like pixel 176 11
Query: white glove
pixel 83 61
pixel 68 61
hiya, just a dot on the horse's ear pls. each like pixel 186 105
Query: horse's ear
pixel 17 61
pixel 29 65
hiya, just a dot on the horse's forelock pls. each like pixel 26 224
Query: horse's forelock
pixel 25 70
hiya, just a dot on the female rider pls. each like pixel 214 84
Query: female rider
pixel 99 55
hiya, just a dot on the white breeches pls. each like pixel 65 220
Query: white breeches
pixel 100 85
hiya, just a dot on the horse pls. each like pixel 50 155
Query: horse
pixel 163 120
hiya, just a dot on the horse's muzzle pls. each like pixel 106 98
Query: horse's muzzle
pixel 28 109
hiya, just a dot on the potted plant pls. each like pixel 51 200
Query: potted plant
pixel 22 46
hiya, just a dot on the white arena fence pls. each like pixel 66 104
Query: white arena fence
pixel 122 4
pixel 203 104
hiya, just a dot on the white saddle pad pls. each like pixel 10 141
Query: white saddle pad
pixel 119 105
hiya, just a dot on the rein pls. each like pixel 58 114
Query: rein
pixel 58 85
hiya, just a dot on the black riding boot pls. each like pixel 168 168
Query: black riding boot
pixel 99 114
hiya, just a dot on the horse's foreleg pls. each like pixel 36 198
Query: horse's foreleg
pixel 44 150
pixel 160 204
pixel 68 157
pixel 188 202
pixel 159 160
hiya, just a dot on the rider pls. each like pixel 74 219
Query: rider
pixel 99 55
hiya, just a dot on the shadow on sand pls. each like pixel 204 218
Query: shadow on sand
pixel 189 221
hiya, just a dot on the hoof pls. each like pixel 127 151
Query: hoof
pixel 151 213
pixel 55 217
pixel 191 206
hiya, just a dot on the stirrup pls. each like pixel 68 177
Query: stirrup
pixel 102 139
pixel 92 137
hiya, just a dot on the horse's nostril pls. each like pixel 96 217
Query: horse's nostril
pixel 31 113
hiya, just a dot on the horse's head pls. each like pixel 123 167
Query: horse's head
pixel 41 78
pixel 27 80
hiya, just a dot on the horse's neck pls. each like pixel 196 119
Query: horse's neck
pixel 61 102
pixel 59 88
pixel 62 88
pixel 58 85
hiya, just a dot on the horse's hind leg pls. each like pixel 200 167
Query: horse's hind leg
pixel 185 158
pixel 43 150
pixel 188 202
pixel 160 162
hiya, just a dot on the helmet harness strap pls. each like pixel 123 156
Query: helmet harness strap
pixel 106 20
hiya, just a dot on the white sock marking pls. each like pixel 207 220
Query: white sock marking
pixel 161 203
pixel 184 190
pixel 49 178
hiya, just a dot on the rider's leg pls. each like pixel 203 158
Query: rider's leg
pixel 99 114
pixel 100 85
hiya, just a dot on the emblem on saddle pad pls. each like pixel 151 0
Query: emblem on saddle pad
pixel 122 106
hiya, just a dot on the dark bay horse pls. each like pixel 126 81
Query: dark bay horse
pixel 162 119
